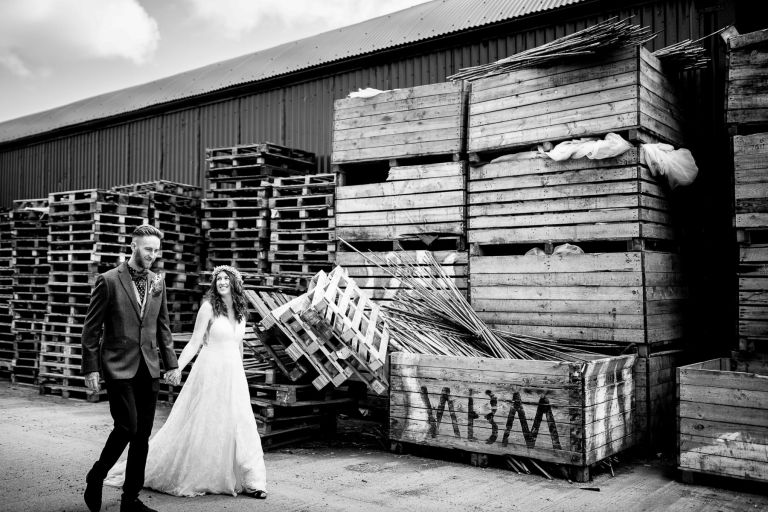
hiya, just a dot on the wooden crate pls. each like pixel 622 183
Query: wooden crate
pixel 747 82
pixel 415 200
pixel 417 121
pixel 499 406
pixel 381 286
pixel 623 297
pixel 531 198
pixel 624 90
pixel 750 163
pixel 753 297
pixel 723 419
pixel 655 398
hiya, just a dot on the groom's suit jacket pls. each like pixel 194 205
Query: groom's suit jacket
pixel 128 335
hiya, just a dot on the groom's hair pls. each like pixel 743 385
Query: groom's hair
pixel 147 230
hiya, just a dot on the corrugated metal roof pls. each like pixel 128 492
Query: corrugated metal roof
pixel 421 22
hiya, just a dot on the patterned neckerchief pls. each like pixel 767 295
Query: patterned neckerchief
pixel 140 280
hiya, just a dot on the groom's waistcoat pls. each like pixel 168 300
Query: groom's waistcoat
pixel 116 335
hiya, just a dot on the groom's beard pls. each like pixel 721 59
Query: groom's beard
pixel 141 262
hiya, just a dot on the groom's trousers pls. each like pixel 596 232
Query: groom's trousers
pixel 132 405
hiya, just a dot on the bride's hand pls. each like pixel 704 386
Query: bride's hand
pixel 173 377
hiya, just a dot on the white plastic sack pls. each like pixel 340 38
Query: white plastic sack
pixel 567 248
pixel 677 165
pixel 536 252
pixel 595 149
pixel 364 93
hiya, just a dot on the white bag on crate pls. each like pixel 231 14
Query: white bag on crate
pixel 664 160
pixel 595 149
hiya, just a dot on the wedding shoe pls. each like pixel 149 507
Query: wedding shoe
pixel 259 495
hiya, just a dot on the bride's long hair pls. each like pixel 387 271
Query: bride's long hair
pixel 239 302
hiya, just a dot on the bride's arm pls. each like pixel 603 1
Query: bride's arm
pixel 204 316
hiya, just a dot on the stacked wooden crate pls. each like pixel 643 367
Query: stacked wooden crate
pixel 623 284
pixel 174 208
pixel 29 224
pixel 722 420
pixel 302 234
pixel 89 233
pixel 6 294
pixel 236 207
pixel 747 117
pixel 402 180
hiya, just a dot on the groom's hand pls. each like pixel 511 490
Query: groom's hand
pixel 92 381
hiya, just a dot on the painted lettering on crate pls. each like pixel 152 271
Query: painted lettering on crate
pixel 516 411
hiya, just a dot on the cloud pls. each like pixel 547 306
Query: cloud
pixel 236 18
pixel 38 34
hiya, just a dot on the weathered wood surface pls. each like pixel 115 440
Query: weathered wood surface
pixel 382 286
pixel 723 420
pixel 626 90
pixel 655 397
pixel 529 198
pixel 570 413
pixel 750 162
pixel 747 82
pixel 418 121
pixel 414 200
pixel 632 297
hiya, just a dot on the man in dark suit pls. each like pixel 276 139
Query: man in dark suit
pixel 127 321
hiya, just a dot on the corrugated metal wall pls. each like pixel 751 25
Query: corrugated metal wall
pixel 172 145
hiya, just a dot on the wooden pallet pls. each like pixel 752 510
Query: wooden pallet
pixel 750 162
pixel 746 86
pixel 499 406
pixel 416 121
pixel 723 419
pixel 621 90
pixel 623 297
pixel 415 200
pixel 265 154
pixel 161 189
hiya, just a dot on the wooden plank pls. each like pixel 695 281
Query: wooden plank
pixel 429 171
pixel 395 188
pixel 559 263
pixel 574 234
pixel 496 320
pixel 400 202
pixel 363 233
pixel 513 278
pixel 726 466
pixel 605 307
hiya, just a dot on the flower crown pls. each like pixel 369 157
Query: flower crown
pixel 231 270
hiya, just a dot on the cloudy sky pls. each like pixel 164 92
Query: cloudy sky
pixel 54 52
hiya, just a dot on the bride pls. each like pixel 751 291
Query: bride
pixel 210 442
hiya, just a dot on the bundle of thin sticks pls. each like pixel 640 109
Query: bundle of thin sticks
pixel 608 35
pixel 429 315
pixel 686 54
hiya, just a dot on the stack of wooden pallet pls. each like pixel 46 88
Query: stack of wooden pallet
pixel 89 232
pixel 334 329
pixel 625 283
pixel 747 117
pixel 302 235
pixel 6 294
pixel 402 180
pixel 174 208
pixel 236 208
pixel 29 224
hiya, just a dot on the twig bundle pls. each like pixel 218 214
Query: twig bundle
pixel 429 315
pixel 607 35
pixel 686 54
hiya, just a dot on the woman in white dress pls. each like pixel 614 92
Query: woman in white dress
pixel 210 442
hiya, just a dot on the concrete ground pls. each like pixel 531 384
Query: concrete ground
pixel 47 444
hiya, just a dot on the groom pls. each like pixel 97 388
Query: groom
pixel 128 307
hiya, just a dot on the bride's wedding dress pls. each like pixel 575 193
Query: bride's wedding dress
pixel 210 442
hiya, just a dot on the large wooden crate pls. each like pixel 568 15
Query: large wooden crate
pixel 382 286
pixel 568 413
pixel 415 201
pixel 750 162
pixel 531 198
pixel 623 90
pixel 747 86
pixel 623 297
pixel 656 398
pixel 723 419
pixel 417 121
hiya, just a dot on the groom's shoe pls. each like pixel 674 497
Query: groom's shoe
pixel 92 494
pixel 134 505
